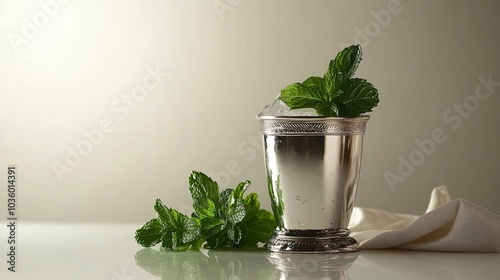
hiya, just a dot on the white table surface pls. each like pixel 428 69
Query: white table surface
pixel 108 251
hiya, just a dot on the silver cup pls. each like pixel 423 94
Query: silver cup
pixel 312 167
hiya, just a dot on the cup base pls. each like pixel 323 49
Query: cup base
pixel 313 241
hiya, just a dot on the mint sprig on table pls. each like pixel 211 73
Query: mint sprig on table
pixel 337 94
pixel 223 220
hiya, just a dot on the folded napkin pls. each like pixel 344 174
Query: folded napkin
pixel 448 225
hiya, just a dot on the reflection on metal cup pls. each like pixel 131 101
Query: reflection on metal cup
pixel 312 167
pixel 312 266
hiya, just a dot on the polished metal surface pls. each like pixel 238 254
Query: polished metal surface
pixel 312 167
pixel 82 251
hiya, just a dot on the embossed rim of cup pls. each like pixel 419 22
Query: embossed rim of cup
pixel 312 125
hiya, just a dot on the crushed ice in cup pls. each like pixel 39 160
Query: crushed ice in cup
pixel 279 108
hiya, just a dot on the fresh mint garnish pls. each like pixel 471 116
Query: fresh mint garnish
pixel 228 219
pixel 337 94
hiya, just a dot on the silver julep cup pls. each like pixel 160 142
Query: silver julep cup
pixel 312 166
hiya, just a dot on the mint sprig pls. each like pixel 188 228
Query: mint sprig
pixel 337 94
pixel 228 219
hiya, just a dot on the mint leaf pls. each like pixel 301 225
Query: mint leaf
pixel 337 93
pixel 162 212
pixel 226 219
pixel 315 84
pixel 229 227
pixel 150 233
pixel 252 205
pixel 190 231
pixel 345 64
pixel 235 212
pixel 200 185
pixel 258 228
pixel 211 226
pixel 218 240
pixel 340 70
pixel 224 196
pixel 360 97
pixel 240 189
pixel 234 234
pixel 181 230
pixel 328 109
pixel 204 207
pixel 298 96
pixel 332 87
pixel 265 215
pixel 173 229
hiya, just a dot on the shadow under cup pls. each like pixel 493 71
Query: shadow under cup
pixel 313 166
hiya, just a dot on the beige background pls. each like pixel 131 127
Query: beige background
pixel 80 66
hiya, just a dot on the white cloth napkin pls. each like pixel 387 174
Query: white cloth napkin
pixel 448 225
